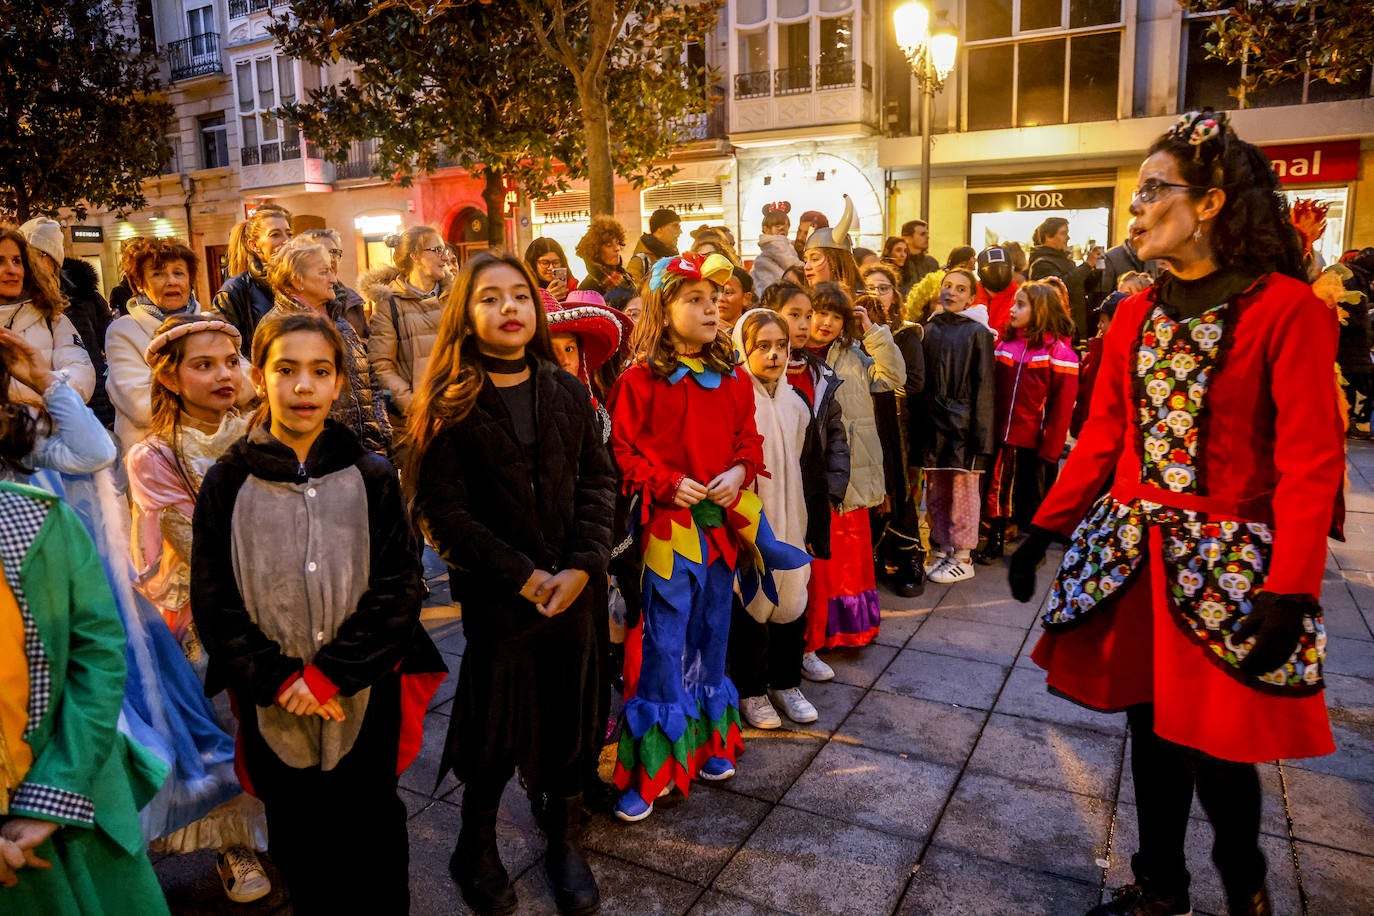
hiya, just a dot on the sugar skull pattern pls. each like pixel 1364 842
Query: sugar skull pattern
pixel 1213 570
pixel 1174 364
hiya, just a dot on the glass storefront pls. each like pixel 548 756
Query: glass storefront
pixel 1011 216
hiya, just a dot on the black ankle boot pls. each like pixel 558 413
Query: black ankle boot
pixel 994 546
pixel 1256 904
pixel 574 886
pixel 476 866
pixel 910 578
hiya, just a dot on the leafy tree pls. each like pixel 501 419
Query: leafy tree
pixel 1280 40
pixel 435 86
pixel 626 59
pixel 81 118
pixel 472 81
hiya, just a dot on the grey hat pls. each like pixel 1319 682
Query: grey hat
pixel 836 236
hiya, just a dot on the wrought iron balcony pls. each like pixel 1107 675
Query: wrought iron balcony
pixel 791 80
pixel 195 56
pixel 249 155
pixel 753 85
pixel 240 8
pixel 362 161
pixel 834 74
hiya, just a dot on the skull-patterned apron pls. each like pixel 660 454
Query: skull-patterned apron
pixel 1213 566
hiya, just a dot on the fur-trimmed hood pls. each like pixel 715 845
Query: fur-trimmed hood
pixel 375 283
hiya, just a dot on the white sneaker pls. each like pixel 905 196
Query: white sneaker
pixel 797 707
pixel 813 669
pixel 242 875
pixel 936 558
pixel 759 713
pixel 951 571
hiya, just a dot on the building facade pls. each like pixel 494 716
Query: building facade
pixel 1047 112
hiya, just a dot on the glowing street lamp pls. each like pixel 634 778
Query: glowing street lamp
pixel 931 55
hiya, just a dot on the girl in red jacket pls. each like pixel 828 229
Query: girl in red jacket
pixel 1036 373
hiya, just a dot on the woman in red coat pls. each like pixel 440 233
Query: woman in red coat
pixel 1188 593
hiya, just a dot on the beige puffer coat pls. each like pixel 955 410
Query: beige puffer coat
pixel 403 328
pixel 56 341
pixel 880 369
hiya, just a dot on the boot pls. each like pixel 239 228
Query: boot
pixel 574 886
pixel 905 560
pixel 994 545
pixel 476 866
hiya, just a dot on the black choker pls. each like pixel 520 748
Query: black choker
pixel 499 366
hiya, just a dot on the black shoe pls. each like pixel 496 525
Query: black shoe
pixel 574 886
pixel 476 866
pixel 1132 900
pixel 1256 904
pixel 994 546
pixel 910 578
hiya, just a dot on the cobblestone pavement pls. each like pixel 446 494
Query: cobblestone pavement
pixel 941 778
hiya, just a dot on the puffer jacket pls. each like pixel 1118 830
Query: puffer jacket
pixel 776 254
pixel 243 300
pixel 130 381
pixel 56 340
pixel 1037 386
pixel 824 457
pixel 404 326
pixel 880 368
pixel 360 407
pixel 958 399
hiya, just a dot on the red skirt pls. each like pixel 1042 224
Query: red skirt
pixel 842 598
pixel 1134 652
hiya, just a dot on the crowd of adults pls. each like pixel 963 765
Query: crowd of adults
pixel 936 416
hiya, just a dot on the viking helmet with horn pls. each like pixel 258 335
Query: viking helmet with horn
pixel 836 236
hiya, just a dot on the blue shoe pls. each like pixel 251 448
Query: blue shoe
pixel 716 769
pixel 632 807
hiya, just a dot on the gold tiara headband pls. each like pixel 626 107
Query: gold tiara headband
pixel 160 342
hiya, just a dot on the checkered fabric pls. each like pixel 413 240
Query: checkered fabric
pixel 49 802
pixel 21 518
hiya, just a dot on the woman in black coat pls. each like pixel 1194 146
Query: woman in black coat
pixel 513 487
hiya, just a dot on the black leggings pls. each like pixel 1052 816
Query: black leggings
pixel 764 655
pixel 1165 776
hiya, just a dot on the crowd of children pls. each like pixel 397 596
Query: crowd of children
pixel 691 498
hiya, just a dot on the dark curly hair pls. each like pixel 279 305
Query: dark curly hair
pixel 832 297
pixel 603 229
pixel 1252 232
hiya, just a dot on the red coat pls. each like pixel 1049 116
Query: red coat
pixel 1273 448
pixel 1270 449
pixel 1036 388
pixel 663 431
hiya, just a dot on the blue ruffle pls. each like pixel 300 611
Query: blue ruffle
pixel 641 715
pixel 714 699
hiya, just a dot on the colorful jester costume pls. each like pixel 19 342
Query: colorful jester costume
pixel 694 423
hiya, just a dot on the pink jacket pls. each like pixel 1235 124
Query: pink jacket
pixel 1036 387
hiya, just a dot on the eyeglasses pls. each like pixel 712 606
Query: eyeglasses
pixel 878 289
pixel 336 252
pixel 1152 188
pixel 441 251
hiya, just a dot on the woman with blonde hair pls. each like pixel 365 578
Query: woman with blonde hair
pixel 247 296
pixel 302 277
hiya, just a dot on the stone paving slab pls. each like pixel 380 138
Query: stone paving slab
pixel 954 883
pixel 873 788
pixel 1030 826
pixel 942 778
pixel 805 863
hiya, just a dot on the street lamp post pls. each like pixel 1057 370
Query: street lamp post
pixel 931 55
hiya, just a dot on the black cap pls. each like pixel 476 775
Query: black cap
pixel 662 217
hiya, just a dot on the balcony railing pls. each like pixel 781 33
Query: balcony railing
pixel 240 8
pixel 709 125
pixel 249 155
pixel 791 80
pixel 362 161
pixel 834 74
pixel 753 85
pixel 283 150
pixel 195 56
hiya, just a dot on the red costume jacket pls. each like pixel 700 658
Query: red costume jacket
pixel 663 431
pixel 1036 388
pixel 1271 443
pixel 999 306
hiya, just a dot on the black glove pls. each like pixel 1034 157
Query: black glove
pixel 1277 623
pixel 1028 557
